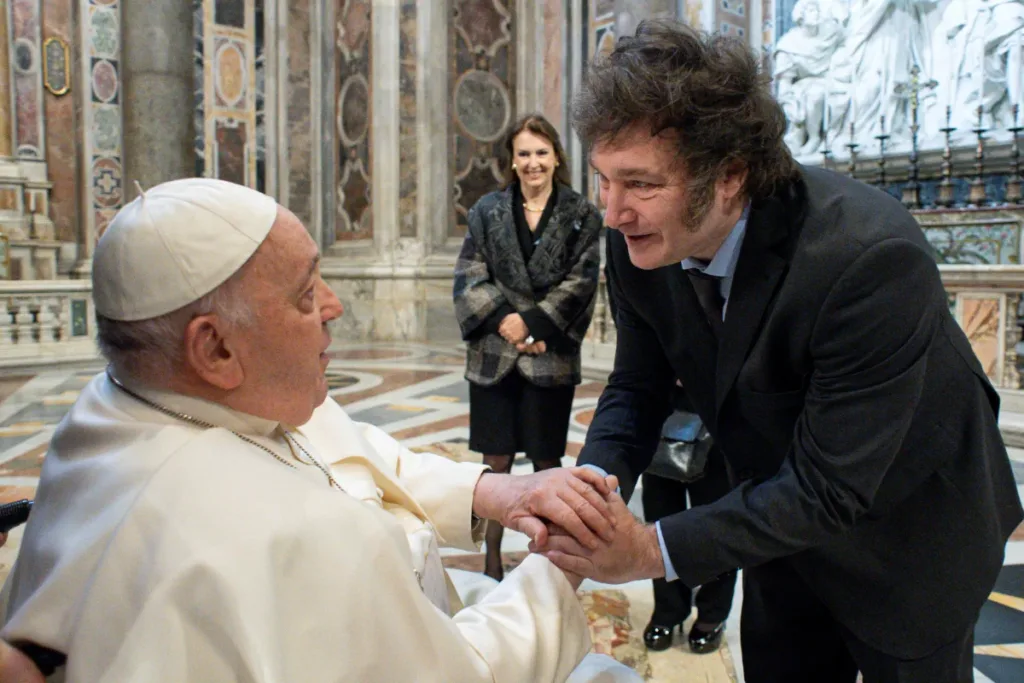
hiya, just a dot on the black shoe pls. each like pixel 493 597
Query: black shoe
pixel 658 637
pixel 702 642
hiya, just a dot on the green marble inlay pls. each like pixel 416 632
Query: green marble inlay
pixel 79 318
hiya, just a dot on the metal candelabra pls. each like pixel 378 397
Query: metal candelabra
pixel 946 188
pixel 851 168
pixel 1013 184
pixel 978 195
pixel 882 138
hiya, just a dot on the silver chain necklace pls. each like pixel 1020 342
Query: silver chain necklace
pixel 289 439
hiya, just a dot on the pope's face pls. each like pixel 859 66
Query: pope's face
pixel 283 353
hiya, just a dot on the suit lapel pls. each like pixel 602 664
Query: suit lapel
pixel 764 259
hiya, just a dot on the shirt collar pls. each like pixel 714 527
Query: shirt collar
pixel 723 264
pixel 214 413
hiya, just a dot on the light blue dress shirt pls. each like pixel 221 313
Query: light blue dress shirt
pixel 723 265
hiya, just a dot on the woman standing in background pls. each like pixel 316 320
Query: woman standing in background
pixel 525 285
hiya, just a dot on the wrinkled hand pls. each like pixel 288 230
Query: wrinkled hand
pixel 571 498
pixel 16 667
pixel 513 329
pixel 534 349
pixel 633 554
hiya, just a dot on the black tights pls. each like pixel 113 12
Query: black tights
pixel 503 464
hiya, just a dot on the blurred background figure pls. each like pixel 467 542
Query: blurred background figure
pixel 525 284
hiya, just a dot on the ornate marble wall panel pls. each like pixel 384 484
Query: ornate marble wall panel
pixel 199 84
pixel 732 17
pixel 61 134
pixel 5 84
pixel 101 114
pixel 408 151
pixel 482 99
pixel 979 237
pixel 229 48
pixel 300 141
pixel 25 30
pixel 353 133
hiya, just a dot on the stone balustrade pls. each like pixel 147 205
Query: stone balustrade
pixel 46 322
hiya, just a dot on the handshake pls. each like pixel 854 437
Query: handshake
pixel 575 518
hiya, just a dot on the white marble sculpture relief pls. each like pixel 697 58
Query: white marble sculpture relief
pixel 849 62
pixel 801 71
pixel 982 42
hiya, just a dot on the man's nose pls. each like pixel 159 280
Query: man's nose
pixel 613 207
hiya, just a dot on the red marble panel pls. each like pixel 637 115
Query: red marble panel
pixel 28 84
pixel 5 86
pixel 230 150
pixel 60 134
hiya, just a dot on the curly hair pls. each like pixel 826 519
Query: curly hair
pixel 538 125
pixel 706 88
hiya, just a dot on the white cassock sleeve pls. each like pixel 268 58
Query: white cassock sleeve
pixel 443 488
pixel 306 599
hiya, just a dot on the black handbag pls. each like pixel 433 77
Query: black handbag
pixel 682 452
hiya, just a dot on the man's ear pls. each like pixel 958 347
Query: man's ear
pixel 210 354
pixel 731 182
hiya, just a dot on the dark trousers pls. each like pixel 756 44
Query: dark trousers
pixel 663 497
pixel 788 635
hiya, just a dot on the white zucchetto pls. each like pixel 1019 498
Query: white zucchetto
pixel 176 243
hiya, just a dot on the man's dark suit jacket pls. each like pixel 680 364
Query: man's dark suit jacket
pixel 857 423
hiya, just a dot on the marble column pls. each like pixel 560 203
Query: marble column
pixel 157 72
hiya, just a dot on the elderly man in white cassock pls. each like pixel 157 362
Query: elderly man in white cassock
pixel 204 514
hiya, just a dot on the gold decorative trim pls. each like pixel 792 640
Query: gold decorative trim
pixel 66 87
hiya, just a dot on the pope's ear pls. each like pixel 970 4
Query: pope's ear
pixel 209 354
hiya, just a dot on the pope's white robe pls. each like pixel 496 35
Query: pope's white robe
pixel 163 552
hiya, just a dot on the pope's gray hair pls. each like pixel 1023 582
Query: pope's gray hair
pixel 153 350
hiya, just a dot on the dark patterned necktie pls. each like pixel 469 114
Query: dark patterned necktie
pixel 709 294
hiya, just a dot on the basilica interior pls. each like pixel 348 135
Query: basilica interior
pixel 379 123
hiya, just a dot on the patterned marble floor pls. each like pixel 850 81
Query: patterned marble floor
pixel 417 394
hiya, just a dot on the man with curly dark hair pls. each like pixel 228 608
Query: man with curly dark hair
pixel 803 313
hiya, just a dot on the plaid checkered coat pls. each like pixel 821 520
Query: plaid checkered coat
pixel 560 279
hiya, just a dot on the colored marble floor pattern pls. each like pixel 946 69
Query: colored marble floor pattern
pixel 417 393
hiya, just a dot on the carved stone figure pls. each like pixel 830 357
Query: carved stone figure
pixel 883 41
pixel 801 72
pixel 983 41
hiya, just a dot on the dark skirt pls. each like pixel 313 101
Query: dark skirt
pixel 516 416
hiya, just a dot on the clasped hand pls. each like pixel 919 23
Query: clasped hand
pixel 574 518
pixel 633 553
pixel 513 329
